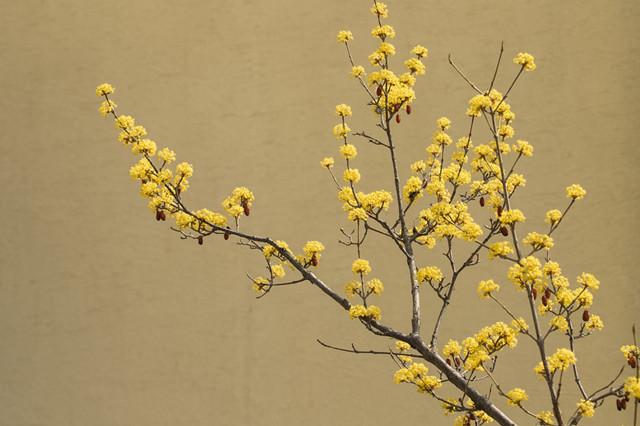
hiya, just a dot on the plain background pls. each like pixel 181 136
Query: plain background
pixel 108 318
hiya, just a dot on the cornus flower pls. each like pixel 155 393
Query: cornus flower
pixel 429 273
pixel 516 396
pixel 343 110
pixel 526 60
pixel 420 51
pixel 588 280
pixel 104 89
pixel 586 408
pixel 553 216
pixel 351 175
pixel 485 288
pixel 415 66
pixel 383 32
pixel 357 71
pixel 348 151
pixel 576 192
pixel 538 241
pixel 380 9
pixel 344 36
pixel 341 130
pixel 361 266
pixel 327 162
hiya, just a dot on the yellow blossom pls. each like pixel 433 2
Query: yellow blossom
pixel 327 162
pixel 594 323
pixel 546 418
pixel 413 188
pixel 344 36
pixel 104 89
pixel 380 9
pixel 420 51
pixel 184 169
pixel 387 49
pixel 343 110
pixel 516 396
pixel 500 249
pixel 586 408
pixel 538 241
pixel 509 217
pixel 523 147
pixel 107 107
pixel 429 273
pixel 632 387
pixel 486 287
pixel 352 288
pixel 415 66
pixel 452 348
pixel 402 346
pixel 312 250
pixel 588 280
pixel 351 175
pixel 576 192
pixel 384 31
pixel 357 214
pixel 375 286
pixel 357 71
pixel 553 216
pixel 341 130
pixel 348 151
pixel 526 60
pixel 560 323
pixel 361 266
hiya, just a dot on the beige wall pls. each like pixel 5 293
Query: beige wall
pixel 107 318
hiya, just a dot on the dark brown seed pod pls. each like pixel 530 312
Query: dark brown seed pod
pixel 163 216
pixel 619 404
pixel 449 362
pixel 200 240
pixel 547 293
pixel 585 315
pixel 504 231
pixel 158 214
pixel 534 293
pixel 481 201
pixel 408 109
pixel 457 361
pixel 499 211
pixel 633 363
pixel 544 300
pixel 245 207
pixel 379 91
pixel 226 234
pixel 623 403
pixel 398 118
pixel 314 260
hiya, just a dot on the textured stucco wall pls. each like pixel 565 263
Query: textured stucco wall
pixel 107 318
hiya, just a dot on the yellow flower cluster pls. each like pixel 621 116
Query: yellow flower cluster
pixel 632 387
pixel 431 274
pixel 526 60
pixel 500 249
pixel 361 266
pixel 576 192
pixel 538 241
pixel 416 373
pixel 485 288
pixel 312 251
pixel 561 360
pixel 586 408
pixel 360 311
pixel 516 396
pixel 527 272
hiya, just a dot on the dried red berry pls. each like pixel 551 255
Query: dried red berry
pixel 633 363
pixel 504 231
pixel 314 260
pixel 499 211
pixel 200 240
pixel 544 300
pixel 226 234
pixel 481 201
pixel 547 293
pixel 398 118
pixel 408 109
pixel 585 315
pixel 449 362
pixel 619 404
pixel 457 361
pixel 623 403
pixel 379 91
pixel 163 216
pixel 534 293
pixel 158 214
